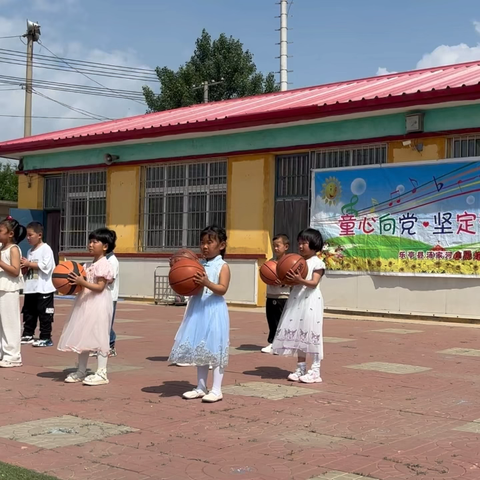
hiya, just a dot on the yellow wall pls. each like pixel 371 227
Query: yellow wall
pixel 433 149
pixel 250 207
pixel 123 185
pixel 30 191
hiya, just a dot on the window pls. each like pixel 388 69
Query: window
pixel 179 200
pixel 52 188
pixel 293 181
pixel 84 199
pixel 461 147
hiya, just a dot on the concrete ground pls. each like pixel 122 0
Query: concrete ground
pixel 400 400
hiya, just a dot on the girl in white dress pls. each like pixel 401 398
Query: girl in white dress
pixel 301 325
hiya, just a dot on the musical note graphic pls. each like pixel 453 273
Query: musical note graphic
pixel 391 195
pixel 414 185
pixel 374 205
pixel 348 209
pixel 439 185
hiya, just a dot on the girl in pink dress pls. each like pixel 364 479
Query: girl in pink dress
pixel 88 328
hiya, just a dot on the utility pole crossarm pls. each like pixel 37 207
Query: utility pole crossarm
pixel 206 85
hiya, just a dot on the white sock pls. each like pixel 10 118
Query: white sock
pixel 302 366
pixel 82 362
pixel 316 362
pixel 217 380
pixel 102 362
pixel 202 376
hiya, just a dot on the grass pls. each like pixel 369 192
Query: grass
pixel 377 246
pixel 10 472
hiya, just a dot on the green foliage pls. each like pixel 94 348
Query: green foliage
pixel 211 60
pixel 8 183
pixel 9 472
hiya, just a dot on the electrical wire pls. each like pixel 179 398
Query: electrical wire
pixel 78 110
pixel 41 116
pixel 11 36
pixel 105 66
pixel 86 76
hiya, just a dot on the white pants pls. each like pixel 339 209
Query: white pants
pixel 10 327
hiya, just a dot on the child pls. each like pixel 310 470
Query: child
pixel 300 330
pixel 203 336
pixel 11 282
pixel 277 295
pixel 114 287
pixel 88 328
pixel 39 290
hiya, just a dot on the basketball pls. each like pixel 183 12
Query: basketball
pixel 60 277
pixel 268 272
pixel 294 262
pixel 182 274
pixel 182 254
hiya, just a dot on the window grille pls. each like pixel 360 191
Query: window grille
pixel 178 201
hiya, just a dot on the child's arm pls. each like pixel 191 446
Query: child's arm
pixel 94 287
pixel 219 288
pixel 14 268
pixel 46 264
pixel 297 279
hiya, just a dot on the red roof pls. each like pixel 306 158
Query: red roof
pixel 414 88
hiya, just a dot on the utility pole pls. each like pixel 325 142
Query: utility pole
pixel 283 45
pixel 206 85
pixel 32 35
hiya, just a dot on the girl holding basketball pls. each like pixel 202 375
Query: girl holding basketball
pixel 203 336
pixel 301 325
pixel 88 328
pixel 11 282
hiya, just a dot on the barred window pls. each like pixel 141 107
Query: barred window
pixel 294 171
pixel 52 192
pixel 179 200
pixel 84 206
pixel 464 146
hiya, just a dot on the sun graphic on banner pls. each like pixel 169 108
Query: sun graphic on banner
pixel 331 191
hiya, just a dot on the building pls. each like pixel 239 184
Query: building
pixel 157 179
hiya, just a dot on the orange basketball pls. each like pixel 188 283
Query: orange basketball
pixel 268 272
pixel 181 254
pixel 294 262
pixel 182 274
pixel 60 277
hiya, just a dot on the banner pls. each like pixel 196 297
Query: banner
pixel 397 219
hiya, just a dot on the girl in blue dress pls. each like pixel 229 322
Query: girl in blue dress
pixel 203 336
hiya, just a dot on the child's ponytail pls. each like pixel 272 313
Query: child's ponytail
pixel 19 231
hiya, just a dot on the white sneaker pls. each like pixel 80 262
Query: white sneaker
pixel 75 377
pixel 184 364
pixel 267 349
pixel 313 376
pixel 212 398
pixel 7 364
pixel 98 378
pixel 193 394
pixel 295 376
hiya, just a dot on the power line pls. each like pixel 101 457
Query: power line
pixel 42 116
pixel 11 36
pixel 139 70
pixel 78 110
pixel 86 76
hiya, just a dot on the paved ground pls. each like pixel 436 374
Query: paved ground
pixel 399 401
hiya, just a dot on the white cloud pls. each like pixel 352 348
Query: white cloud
pixel 446 55
pixel 12 101
pixel 450 54
pixel 384 71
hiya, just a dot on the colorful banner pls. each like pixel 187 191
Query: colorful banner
pixel 415 219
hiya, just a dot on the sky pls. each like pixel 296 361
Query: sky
pixel 331 41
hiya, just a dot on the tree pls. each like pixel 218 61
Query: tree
pixel 8 183
pixel 222 58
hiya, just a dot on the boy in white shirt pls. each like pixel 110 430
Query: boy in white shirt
pixel 39 290
pixel 114 288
